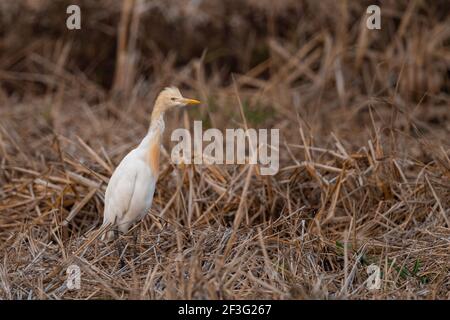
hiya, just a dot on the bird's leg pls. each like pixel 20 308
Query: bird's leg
pixel 137 242
pixel 139 239
pixel 134 242
pixel 119 248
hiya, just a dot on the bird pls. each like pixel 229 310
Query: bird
pixel 130 190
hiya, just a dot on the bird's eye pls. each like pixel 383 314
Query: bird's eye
pixel 173 99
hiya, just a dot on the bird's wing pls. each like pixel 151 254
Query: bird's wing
pixel 120 191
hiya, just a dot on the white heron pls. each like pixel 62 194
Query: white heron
pixel 130 190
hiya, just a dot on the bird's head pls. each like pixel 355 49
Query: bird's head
pixel 171 97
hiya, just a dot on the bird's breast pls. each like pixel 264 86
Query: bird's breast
pixel 153 157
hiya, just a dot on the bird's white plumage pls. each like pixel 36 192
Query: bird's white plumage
pixel 130 191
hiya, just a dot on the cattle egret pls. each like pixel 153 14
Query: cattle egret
pixel 130 190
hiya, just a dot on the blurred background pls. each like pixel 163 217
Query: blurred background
pixel 313 58
pixel 364 126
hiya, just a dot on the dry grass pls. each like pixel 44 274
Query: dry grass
pixel 365 169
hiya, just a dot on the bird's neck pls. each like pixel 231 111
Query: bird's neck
pixel 151 144
pixel 157 123
pixel 158 112
pixel 154 133
pixel 156 127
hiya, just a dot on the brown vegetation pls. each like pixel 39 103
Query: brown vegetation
pixel 364 122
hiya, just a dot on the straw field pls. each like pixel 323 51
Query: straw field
pixel 364 120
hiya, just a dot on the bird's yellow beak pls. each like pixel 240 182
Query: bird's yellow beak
pixel 190 101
